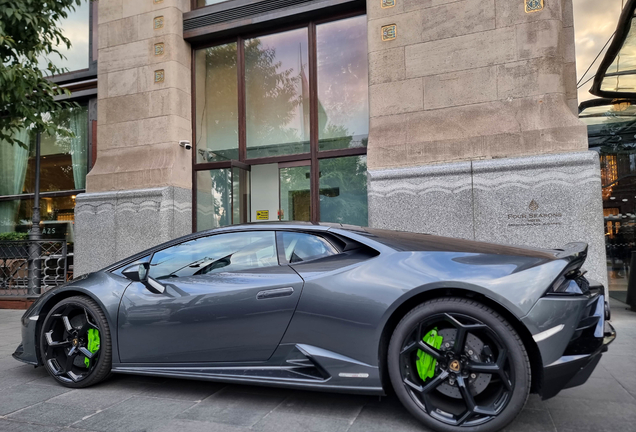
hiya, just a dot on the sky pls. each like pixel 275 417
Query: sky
pixel 594 23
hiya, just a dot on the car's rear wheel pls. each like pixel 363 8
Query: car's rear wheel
pixel 75 343
pixel 457 365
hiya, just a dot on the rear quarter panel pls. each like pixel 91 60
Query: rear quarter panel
pixel 345 306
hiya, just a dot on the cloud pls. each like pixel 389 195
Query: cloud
pixel 594 23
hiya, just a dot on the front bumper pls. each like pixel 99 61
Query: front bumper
pixel 27 351
pixel 589 340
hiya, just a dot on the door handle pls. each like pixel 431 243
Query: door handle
pixel 274 293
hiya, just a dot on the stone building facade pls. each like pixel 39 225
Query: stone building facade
pixel 471 124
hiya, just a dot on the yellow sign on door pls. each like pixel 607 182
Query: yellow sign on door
pixel 262 214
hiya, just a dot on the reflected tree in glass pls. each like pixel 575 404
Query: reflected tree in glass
pixel 214 205
pixel 343 84
pixel 217 111
pixel 277 94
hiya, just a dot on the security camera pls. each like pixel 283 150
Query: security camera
pixel 185 144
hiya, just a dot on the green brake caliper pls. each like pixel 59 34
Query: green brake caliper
pixel 93 344
pixel 426 363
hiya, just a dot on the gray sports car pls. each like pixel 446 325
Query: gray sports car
pixel 461 331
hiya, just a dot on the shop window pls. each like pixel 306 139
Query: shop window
pixel 56 214
pixel 63 157
pixel 223 197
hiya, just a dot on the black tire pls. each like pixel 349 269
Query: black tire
pixel 81 312
pixel 514 379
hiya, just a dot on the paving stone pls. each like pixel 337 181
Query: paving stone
pixel 234 408
pixel 21 375
pixel 386 415
pixel 282 421
pixel 196 426
pixel 346 407
pixel 592 415
pixel 184 390
pixel 605 389
pixel 24 396
pixel 135 414
pixel 15 426
pixel 102 395
pixel 532 421
pixel 52 414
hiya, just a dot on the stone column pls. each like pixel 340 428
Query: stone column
pixel 139 191
pixel 473 128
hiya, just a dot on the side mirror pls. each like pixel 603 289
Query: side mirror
pixel 133 272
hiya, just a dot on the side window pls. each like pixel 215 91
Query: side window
pixel 304 247
pixel 215 254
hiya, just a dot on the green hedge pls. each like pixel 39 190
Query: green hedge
pixel 14 236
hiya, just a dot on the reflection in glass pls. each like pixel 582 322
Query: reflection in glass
pixel 240 195
pixel 57 216
pixel 64 157
pixel 277 94
pixel 76 28
pixel 217 104
pixel 611 133
pixel 295 195
pixel 343 190
pixel 343 84
pixel 231 252
pixel 214 198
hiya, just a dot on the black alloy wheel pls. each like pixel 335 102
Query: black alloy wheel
pixel 75 343
pixel 458 365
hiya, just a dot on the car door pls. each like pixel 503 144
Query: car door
pixel 226 299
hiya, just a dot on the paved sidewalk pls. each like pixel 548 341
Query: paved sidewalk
pixel 31 401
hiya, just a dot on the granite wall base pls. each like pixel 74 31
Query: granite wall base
pixel 540 201
pixel 110 226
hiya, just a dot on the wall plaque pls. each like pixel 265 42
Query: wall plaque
pixel 385 4
pixel 158 23
pixel 159 49
pixel 159 76
pixel 533 5
pixel 389 32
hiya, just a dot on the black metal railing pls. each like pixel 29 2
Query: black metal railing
pixel 31 267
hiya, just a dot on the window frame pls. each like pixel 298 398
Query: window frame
pixel 314 155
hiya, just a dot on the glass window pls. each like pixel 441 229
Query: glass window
pixel 277 94
pixel 76 28
pixel 57 216
pixel 214 198
pixel 304 247
pixel 64 159
pixel 217 105
pixel 343 190
pixel 14 159
pixel 295 193
pixel 229 252
pixel 343 84
pixel 223 197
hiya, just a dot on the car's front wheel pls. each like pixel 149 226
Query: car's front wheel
pixel 75 343
pixel 457 365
